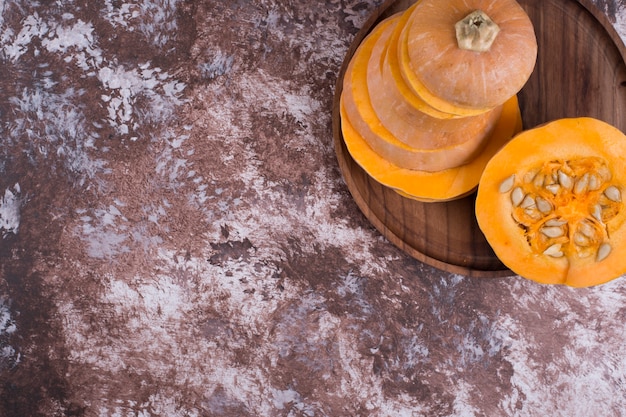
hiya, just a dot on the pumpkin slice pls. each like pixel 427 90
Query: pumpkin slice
pixel 425 186
pixel 550 203
pixel 393 78
pixel 463 136
pixel 467 56
pixel 428 144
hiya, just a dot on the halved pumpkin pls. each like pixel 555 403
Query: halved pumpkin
pixel 550 203
pixel 467 56
pixel 420 142
pixel 425 186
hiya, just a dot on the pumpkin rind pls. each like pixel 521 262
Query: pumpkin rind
pixel 566 154
pixel 452 79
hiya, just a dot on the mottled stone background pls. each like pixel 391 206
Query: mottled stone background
pixel 176 238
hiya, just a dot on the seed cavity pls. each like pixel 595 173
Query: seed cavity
pixel 565 207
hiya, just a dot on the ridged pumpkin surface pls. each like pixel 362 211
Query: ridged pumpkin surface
pixel 454 79
pixel 550 203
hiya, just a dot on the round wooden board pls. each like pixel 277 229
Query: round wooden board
pixel 580 71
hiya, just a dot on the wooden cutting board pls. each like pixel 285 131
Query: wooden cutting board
pixel 580 71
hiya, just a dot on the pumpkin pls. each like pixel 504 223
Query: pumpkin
pixel 392 73
pixel 398 132
pixel 467 56
pixel 426 186
pixel 413 127
pixel 550 203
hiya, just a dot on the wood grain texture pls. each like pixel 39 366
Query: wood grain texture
pixel 580 71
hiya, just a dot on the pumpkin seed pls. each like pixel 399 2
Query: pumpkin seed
pixel 530 176
pixel 507 184
pixel 603 252
pixel 594 182
pixel 533 213
pixel 582 184
pixel 553 188
pixel 552 231
pixel 597 212
pixel 581 240
pixel 586 229
pixel 555 222
pixel 554 251
pixel 528 202
pixel 613 193
pixel 565 180
pixel 604 172
pixel 517 195
pixel 543 205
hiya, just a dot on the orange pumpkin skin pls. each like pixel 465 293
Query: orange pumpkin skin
pixel 456 80
pixel 417 141
pixel 549 203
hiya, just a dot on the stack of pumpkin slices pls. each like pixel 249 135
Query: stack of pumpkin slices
pixel 429 96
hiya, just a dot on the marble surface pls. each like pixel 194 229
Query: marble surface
pixel 176 238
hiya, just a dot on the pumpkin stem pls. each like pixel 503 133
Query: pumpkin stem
pixel 476 32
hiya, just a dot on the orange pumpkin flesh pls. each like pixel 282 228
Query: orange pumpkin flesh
pixel 550 203
pixel 394 79
pixel 418 141
pixel 456 80
pixel 430 186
